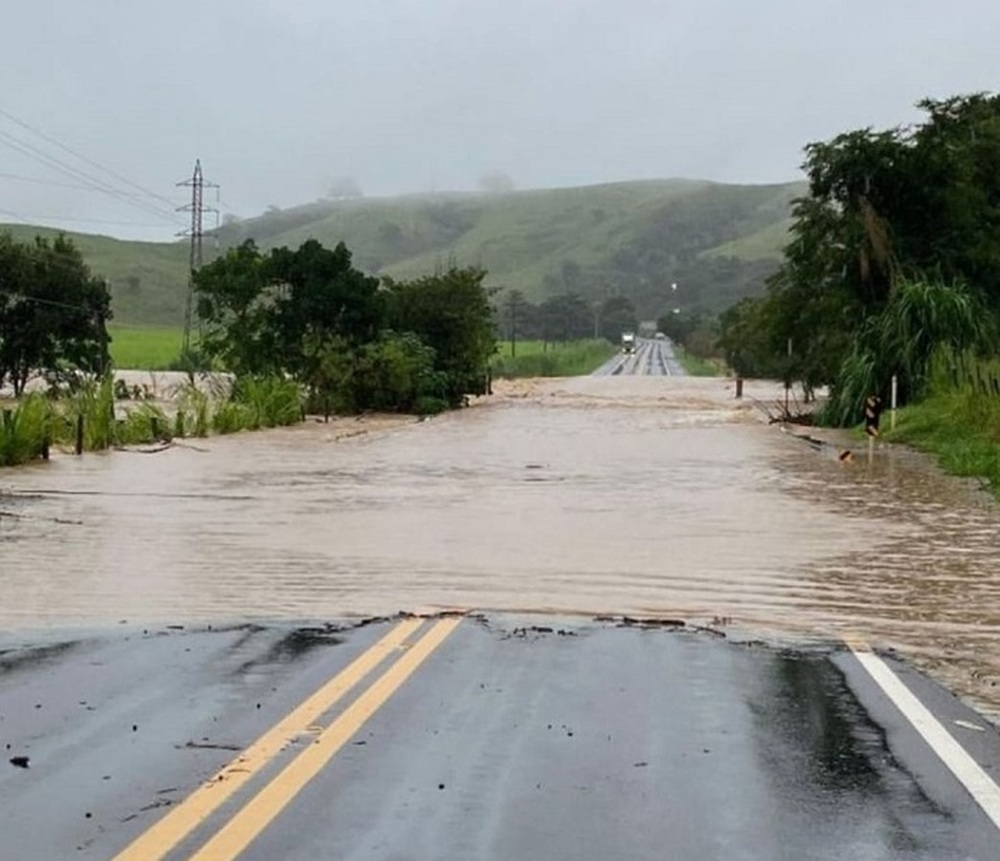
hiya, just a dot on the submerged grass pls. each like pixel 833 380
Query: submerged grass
pixel 24 430
pixel 537 359
pixel 28 427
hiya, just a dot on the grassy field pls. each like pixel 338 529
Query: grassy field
pixel 539 241
pixel 755 246
pixel 960 429
pixel 535 359
pixel 145 348
pixel 699 367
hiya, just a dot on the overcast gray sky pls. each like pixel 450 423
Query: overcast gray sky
pixel 279 97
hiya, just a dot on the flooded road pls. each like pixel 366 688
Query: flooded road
pixel 633 495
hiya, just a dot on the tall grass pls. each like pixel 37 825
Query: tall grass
pixel 252 403
pixel 24 430
pixel 269 401
pixel 193 406
pixel 535 359
pixel 259 402
pixel 94 402
pixel 959 419
pixel 698 367
pixel 920 318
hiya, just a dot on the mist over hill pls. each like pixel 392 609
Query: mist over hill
pixel 717 242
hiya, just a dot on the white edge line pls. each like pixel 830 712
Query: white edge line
pixel 968 772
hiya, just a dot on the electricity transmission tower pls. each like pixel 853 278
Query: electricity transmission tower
pixel 197 209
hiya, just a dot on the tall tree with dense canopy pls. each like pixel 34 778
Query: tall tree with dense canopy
pixel 450 313
pixel 900 233
pixel 260 311
pixel 356 344
pixel 53 312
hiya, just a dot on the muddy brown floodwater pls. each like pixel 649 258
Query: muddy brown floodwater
pixel 635 495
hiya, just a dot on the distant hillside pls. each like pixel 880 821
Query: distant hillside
pixel 148 279
pixel 717 242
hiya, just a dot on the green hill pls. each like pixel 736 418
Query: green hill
pixel 148 279
pixel 717 242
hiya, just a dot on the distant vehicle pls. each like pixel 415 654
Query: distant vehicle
pixel 628 342
pixel 660 336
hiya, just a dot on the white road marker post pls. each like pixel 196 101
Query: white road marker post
pixel 892 407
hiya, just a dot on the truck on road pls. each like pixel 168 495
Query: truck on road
pixel 628 342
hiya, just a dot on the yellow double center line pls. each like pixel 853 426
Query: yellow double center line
pixel 254 817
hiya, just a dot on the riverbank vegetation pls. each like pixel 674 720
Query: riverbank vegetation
pixel 94 416
pixel 892 271
pixel 959 418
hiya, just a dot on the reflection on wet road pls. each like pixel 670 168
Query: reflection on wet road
pixel 636 495
pixel 455 738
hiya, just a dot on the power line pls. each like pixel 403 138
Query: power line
pixel 33 217
pixel 31 151
pixel 40 181
pixel 21 297
pixel 96 184
pixel 84 158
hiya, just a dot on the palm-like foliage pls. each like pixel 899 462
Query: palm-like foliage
pixel 921 318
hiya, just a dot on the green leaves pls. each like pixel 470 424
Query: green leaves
pixel 259 310
pixel 451 314
pixel 310 315
pixel 921 318
pixel 894 253
pixel 53 313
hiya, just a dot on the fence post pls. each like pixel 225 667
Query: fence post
pixel 79 434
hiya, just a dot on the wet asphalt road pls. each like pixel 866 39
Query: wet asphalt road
pixel 491 738
pixel 652 357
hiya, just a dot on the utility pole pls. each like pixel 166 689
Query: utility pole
pixel 197 209
pixel 515 302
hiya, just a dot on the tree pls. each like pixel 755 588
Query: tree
pixel 451 314
pixel 319 294
pixel 235 305
pixel 745 340
pixel 617 315
pixel 356 344
pixel 566 317
pixel 344 188
pixel 393 373
pixel 515 310
pixel 53 312
pixel 496 182
pixel 901 228
pixel 259 311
